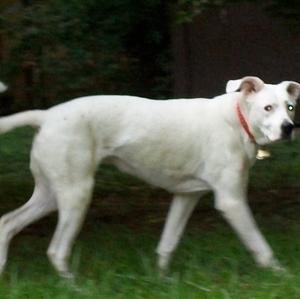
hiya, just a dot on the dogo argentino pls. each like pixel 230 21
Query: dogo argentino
pixel 186 146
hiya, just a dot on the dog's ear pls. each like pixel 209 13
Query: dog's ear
pixel 293 89
pixel 247 85
pixel 3 87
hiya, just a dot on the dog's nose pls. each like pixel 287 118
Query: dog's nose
pixel 287 128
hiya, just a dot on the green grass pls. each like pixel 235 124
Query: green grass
pixel 114 255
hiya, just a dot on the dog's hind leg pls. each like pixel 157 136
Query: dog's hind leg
pixel 41 203
pixel 179 213
pixel 73 200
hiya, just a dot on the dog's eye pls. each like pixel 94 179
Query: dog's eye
pixel 290 107
pixel 268 108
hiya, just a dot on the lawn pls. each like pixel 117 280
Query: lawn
pixel 114 255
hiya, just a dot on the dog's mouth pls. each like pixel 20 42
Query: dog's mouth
pixel 275 139
pixel 284 134
pixel 268 138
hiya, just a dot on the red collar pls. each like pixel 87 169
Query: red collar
pixel 244 123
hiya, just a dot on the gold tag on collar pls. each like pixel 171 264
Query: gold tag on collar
pixel 262 154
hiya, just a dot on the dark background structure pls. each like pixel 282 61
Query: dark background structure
pixel 51 51
pixel 230 42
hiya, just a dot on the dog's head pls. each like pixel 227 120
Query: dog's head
pixel 268 109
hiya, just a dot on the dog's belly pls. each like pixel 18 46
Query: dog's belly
pixel 170 179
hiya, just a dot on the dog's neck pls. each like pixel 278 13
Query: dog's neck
pixel 244 122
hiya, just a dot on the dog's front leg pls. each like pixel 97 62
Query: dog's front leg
pixel 231 202
pixel 179 213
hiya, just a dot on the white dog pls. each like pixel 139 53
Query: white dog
pixel 186 146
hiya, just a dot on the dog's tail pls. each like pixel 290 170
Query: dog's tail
pixel 33 118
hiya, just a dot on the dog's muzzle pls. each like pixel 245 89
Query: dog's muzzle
pixel 287 129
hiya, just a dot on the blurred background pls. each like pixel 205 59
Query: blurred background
pixel 55 50
pixel 51 51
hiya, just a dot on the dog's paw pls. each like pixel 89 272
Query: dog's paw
pixel 67 276
pixel 277 268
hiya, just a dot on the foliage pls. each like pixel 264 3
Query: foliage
pixel 92 46
pixel 187 10
pixel 289 11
